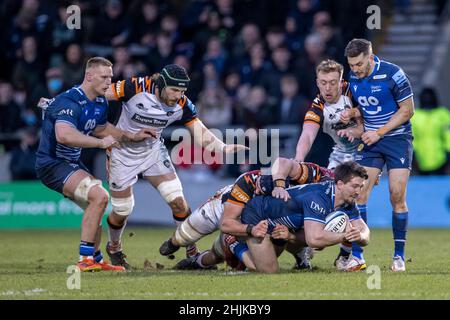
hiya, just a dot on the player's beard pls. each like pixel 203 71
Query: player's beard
pixel 166 101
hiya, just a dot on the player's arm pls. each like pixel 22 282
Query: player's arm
pixel 206 139
pixel 123 136
pixel 318 238
pixel 364 231
pixel 306 140
pixel 67 134
pixel 403 114
pixel 281 169
pixel 231 222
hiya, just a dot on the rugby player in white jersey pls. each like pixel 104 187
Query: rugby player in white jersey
pixel 152 102
pixel 333 100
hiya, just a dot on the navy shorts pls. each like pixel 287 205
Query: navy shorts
pixel 394 151
pixel 56 174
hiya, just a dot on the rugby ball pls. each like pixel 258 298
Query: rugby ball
pixel 336 222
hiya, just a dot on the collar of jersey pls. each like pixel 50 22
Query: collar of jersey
pixel 78 88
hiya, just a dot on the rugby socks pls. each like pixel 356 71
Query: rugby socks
pixel 357 250
pixel 180 217
pixel 399 229
pixel 86 250
pixel 238 249
pixel 345 250
pixel 115 236
pixel 98 256
pixel 199 259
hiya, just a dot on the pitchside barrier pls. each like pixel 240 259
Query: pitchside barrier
pixel 26 205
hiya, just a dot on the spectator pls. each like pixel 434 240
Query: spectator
pixel 163 54
pixel 10 120
pixel 275 38
pixel 306 64
pixel 63 37
pixel 431 126
pixel 29 70
pixel 214 107
pixel 216 55
pixel 293 106
pixel 146 24
pixel 72 67
pixel 23 157
pixel 112 27
pixel 121 57
pixel 256 111
pixel 281 65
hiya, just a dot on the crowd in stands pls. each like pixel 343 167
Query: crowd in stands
pixel 251 62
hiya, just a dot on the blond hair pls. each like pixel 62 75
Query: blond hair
pixel 98 61
pixel 328 66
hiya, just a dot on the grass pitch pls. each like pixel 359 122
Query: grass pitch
pixel 34 265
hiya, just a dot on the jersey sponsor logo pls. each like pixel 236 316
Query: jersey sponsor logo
pixel 119 86
pixel 375 88
pixel 149 121
pixel 170 113
pixel 68 112
pixel 399 77
pixel 355 87
pixel 369 102
pixel 312 116
pixel 240 195
pixel 141 106
pixel 99 100
pixel 166 163
pixel 379 76
pixel 316 207
pixel 82 102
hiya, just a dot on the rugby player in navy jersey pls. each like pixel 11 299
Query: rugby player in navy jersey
pixel 73 120
pixel 307 209
pixel 385 97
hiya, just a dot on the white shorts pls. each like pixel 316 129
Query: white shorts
pixel 122 175
pixel 206 218
pixel 338 157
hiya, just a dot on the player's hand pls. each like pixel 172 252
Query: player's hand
pixel 232 148
pixel 43 103
pixel 109 141
pixel 260 230
pixel 144 134
pixel 346 115
pixel 347 133
pixel 280 232
pixel 280 193
pixel 352 234
pixel 370 137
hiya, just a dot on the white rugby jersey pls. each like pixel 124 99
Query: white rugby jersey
pixel 142 109
pixel 327 116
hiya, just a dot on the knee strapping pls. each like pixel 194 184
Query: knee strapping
pixel 81 193
pixel 186 234
pixel 170 190
pixel 123 206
